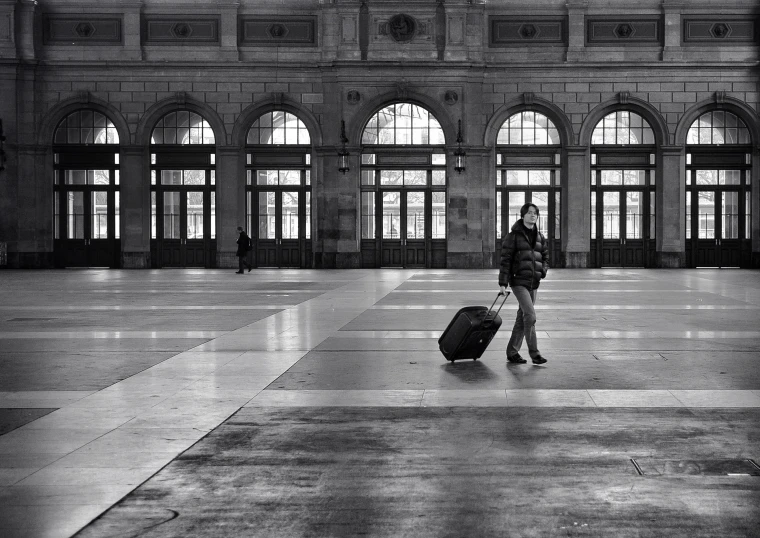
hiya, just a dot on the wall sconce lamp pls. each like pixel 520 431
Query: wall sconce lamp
pixel 343 154
pixel 2 147
pixel 459 154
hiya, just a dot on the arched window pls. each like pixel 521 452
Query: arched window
pixel 528 128
pixel 718 191
pixel 403 189
pixel 278 190
pixel 622 127
pixel 86 127
pixel 86 191
pixel 182 128
pixel 183 195
pixel 403 124
pixel 278 127
pixel 718 127
pixel 528 169
pixel 623 191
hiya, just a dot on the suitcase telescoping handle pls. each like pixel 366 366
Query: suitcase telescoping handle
pixel 501 305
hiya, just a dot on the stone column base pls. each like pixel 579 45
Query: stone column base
pixel 30 260
pixel 576 260
pixel 337 260
pixel 468 260
pixel 227 260
pixel 755 260
pixel 670 260
pixel 135 260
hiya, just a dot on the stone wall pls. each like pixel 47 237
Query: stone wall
pixel 343 60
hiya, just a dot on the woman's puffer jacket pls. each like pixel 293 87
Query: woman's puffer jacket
pixel 523 263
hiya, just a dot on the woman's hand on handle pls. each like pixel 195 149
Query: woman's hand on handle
pixel 503 290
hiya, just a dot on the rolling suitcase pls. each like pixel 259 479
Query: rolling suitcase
pixel 470 332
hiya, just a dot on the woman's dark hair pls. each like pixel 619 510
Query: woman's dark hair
pixel 524 209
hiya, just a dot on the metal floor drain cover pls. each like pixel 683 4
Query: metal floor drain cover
pixel 657 467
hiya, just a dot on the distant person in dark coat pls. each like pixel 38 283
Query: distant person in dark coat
pixel 243 247
pixel 524 262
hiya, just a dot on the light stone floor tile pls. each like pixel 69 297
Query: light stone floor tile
pixel 56 475
pixel 99 335
pixel 52 441
pixel 633 398
pixel 62 495
pixel 464 398
pixel 40 399
pixel 222 382
pixel 45 521
pixel 68 418
pixel 134 440
pixel 119 459
pixel 339 398
pixel 11 476
pixel 117 403
pixel 12 460
pixel 548 398
pixel 717 398
pixel 628 356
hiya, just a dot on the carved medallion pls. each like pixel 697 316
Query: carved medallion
pixel 353 97
pixel 402 27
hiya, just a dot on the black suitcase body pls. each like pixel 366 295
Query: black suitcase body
pixel 470 332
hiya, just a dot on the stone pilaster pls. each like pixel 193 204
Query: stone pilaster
pixel 230 203
pixel 470 213
pixel 34 226
pixel 755 207
pixel 135 207
pixel 576 30
pixel 672 17
pixel 670 243
pixel 25 34
pixel 576 217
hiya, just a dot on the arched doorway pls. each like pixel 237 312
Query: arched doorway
pixel 278 190
pixel 718 201
pixel 86 191
pixel 182 191
pixel 403 189
pixel 623 162
pixel 528 169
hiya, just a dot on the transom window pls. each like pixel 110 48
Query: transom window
pixel 182 127
pixel 622 127
pixel 403 124
pixel 718 127
pixel 278 127
pixel 86 127
pixel 528 127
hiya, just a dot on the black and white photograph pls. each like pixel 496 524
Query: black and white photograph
pixel 379 268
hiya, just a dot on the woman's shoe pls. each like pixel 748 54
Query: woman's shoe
pixel 516 359
pixel 538 360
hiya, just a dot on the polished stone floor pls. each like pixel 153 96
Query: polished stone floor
pixel 315 403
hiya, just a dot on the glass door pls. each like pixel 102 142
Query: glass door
pixel 391 239
pixel 278 205
pixel 403 215
pixel 622 217
pixel 415 230
pixel 717 209
pixel 86 219
pixel 278 237
pixel 182 206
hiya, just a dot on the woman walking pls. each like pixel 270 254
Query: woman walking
pixel 524 263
